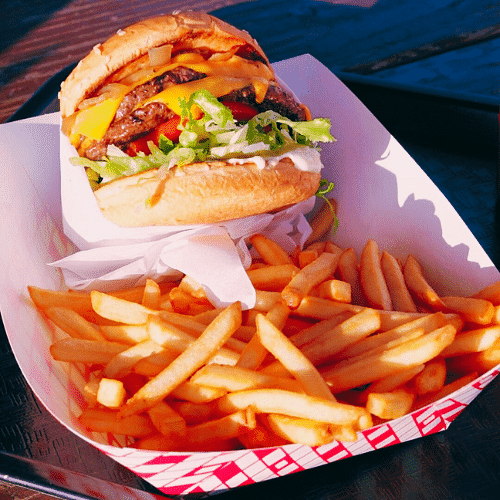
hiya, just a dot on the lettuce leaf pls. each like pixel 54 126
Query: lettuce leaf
pixel 209 132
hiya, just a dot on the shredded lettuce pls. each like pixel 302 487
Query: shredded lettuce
pixel 209 132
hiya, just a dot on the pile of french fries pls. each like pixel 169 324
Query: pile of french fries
pixel 336 343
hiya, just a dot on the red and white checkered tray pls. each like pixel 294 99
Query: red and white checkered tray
pixel 382 194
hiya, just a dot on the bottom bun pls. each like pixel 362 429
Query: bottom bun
pixel 204 193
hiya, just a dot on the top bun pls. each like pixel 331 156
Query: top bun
pixel 186 30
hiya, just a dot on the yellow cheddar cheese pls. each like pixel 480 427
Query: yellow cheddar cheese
pixel 223 76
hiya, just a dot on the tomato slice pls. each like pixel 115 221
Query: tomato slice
pixel 168 129
pixel 241 112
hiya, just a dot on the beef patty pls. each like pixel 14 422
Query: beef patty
pixel 131 123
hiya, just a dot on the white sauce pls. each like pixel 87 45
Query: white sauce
pixel 305 159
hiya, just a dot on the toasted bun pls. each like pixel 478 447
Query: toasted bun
pixel 204 193
pixel 187 30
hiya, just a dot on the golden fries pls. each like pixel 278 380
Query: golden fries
pixel 308 277
pixel 195 355
pixel 372 278
pixel 292 359
pixel 308 364
pixel 322 221
pixel 411 353
pixel 400 296
pixel 270 251
pixel 390 405
pixel 418 285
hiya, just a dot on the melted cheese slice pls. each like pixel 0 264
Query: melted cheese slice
pixel 223 77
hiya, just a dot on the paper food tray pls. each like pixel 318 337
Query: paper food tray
pixel 382 194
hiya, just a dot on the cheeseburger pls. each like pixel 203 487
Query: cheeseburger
pixel 180 119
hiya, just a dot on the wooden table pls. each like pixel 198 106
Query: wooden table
pixel 439 48
pixel 453 46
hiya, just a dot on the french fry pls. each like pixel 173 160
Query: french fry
pixel 432 378
pixel 155 363
pixel 120 310
pixel 126 334
pixel 244 333
pixel 308 277
pixel 77 301
pixel 261 437
pixel 190 360
pixel 272 278
pixel 107 420
pixel 111 393
pixel 254 353
pixel 73 324
pixel 473 341
pixel 91 388
pixel 122 363
pixel 223 428
pixel 206 317
pixel 335 290
pixel 193 413
pixel 265 300
pixel 350 331
pixel 318 308
pixel 393 319
pixel 295 405
pixel 406 337
pixel 427 322
pixel 348 271
pixel 86 351
pixel 151 295
pixel 292 359
pixel 197 393
pixel 418 285
pixel 310 253
pixel 159 442
pixel 411 353
pixel 271 253
pixel 491 293
pixel 473 310
pixel 301 431
pixel 133 294
pixel 308 334
pixel 192 287
pixel 322 220
pixel 390 405
pixel 188 324
pixel 205 436
pixel 495 320
pixel 173 338
pixel 389 383
pixel 448 389
pixel 400 296
pixel 236 378
pixel 480 362
pixel 182 302
pixel 372 279
pixel 167 420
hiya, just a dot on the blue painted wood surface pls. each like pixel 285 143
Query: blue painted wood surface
pixel 419 38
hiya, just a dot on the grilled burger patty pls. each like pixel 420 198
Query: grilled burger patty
pixel 131 123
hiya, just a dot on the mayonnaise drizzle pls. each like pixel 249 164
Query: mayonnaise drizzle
pixel 304 158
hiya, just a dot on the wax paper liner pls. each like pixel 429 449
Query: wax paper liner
pixel 382 194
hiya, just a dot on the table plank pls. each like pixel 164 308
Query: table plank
pixel 343 36
pixel 475 69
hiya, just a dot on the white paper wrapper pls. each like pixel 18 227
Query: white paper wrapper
pixel 382 194
pixel 215 255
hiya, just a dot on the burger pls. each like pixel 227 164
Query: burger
pixel 180 119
